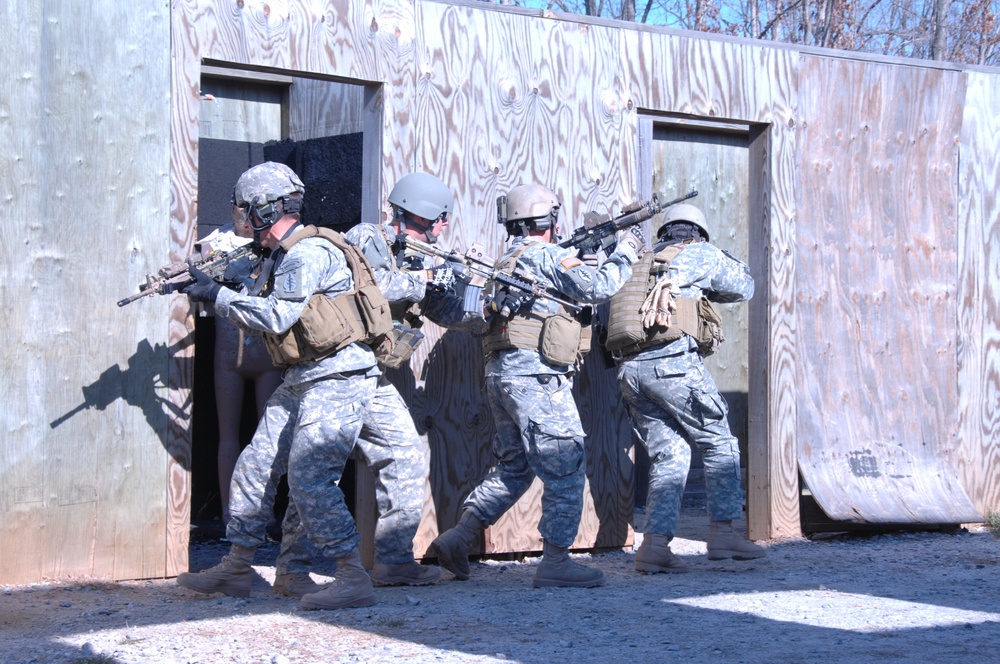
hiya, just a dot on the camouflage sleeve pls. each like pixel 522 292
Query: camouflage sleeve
pixel 447 309
pixel 396 285
pixel 572 277
pixel 312 266
pixel 731 280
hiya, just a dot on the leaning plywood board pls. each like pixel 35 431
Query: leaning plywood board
pixel 876 292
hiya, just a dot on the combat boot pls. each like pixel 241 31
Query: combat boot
pixel 452 546
pixel 296 584
pixel 232 576
pixel 724 542
pixel 404 574
pixel 351 588
pixel 654 556
pixel 556 570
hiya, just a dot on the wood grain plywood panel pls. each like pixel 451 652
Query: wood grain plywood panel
pixel 772 465
pixel 978 453
pixel 875 285
pixel 184 118
pixel 505 99
pixel 81 459
pixel 702 78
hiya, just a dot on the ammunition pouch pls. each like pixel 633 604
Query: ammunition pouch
pixel 325 326
pixel 402 341
pixel 561 338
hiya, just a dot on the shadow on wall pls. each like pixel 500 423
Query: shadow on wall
pixel 138 384
pixel 449 407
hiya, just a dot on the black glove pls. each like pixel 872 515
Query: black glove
pixel 508 302
pixel 203 288
pixel 441 277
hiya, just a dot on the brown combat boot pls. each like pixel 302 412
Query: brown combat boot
pixel 654 556
pixel 452 546
pixel 557 571
pixel 232 576
pixel 351 588
pixel 724 542
pixel 295 584
pixel 404 574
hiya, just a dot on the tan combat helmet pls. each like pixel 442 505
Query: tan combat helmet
pixel 683 212
pixel 530 204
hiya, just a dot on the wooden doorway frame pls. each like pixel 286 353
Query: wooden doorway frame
pixel 772 487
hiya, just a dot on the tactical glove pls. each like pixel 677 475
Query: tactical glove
pixel 440 278
pixel 203 288
pixel 508 302
pixel 633 237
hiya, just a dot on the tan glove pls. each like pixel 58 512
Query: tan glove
pixel 659 306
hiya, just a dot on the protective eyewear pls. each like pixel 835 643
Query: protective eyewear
pixel 261 217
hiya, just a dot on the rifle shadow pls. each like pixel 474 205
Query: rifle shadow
pixel 143 384
pixel 449 406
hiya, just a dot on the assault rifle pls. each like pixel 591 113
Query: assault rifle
pixel 178 275
pixel 598 231
pixel 520 282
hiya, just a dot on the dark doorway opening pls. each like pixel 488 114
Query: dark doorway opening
pixel 246 124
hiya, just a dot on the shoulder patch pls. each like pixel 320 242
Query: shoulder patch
pixel 570 262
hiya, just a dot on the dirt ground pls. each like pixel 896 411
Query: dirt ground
pixel 892 597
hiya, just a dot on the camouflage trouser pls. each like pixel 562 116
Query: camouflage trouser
pixel 538 432
pixel 400 461
pixel 673 403
pixel 307 431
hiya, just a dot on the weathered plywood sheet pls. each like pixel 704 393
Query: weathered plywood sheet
pixel 772 467
pixel 321 108
pixel 876 291
pixel 696 77
pixel 977 453
pixel 84 444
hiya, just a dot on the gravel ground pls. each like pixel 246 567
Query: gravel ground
pixel 898 597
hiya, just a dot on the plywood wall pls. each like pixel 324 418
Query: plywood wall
pixel 871 220
pixel 87 431
pixel 976 452
pixel 486 99
pixel 877 247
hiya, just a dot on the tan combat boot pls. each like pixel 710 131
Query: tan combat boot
pixel 404 574
pixel 724 542
pixel 452 546
pixel 654 556
pixel 232 576
pixel 296 584
pixel 557 571
pixel 351 588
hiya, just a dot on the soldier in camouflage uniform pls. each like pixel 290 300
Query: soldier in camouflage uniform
pixel 395 452
pixel 672 400
pixel 538 428
pixel 313 419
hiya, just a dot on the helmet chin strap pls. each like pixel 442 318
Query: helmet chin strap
pixel 426 230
